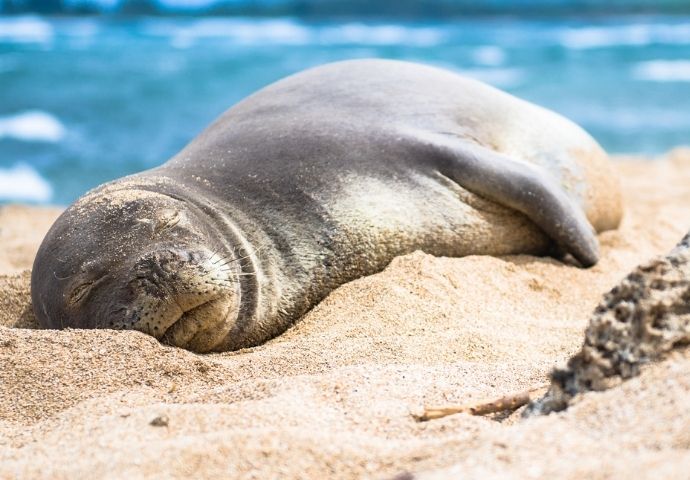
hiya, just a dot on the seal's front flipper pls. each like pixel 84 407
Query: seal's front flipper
pixel 519 185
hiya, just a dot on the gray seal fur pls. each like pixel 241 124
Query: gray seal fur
pixel 313 181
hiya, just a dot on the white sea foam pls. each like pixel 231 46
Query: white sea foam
pixel 32 126
pixel 630 35
pixel 25 30
pixel 489 55
pixel 595 37
pixel 285 31
pixel 362 34
pixel 240 31
pixel 23 183
pixel 630 119
pixel 663 71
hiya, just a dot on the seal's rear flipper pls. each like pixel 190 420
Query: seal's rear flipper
pixel 519 185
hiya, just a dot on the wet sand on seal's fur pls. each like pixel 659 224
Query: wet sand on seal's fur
pixel 332 397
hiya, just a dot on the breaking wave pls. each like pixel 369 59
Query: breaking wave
pixel 23 183
pixel 663 71
pixel 32 126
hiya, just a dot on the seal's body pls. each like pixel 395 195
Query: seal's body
pixel 314 181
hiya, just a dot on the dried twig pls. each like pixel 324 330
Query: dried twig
pixel 503 404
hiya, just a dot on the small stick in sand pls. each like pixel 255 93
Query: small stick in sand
pixel 503 404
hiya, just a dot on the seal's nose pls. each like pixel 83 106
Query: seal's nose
pixel 172 270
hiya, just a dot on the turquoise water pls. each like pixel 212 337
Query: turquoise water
pixel 85 100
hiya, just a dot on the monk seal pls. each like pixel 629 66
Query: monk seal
pixel 313 181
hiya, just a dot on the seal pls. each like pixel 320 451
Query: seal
pixel 313 181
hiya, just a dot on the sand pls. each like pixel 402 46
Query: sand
pixel 334 397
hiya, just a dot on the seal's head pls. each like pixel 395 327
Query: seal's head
pixel 133 258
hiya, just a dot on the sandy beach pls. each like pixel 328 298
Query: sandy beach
pixel 335 397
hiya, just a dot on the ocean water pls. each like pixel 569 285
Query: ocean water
pixel 87 99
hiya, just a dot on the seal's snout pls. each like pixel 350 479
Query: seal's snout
pixel 187 298
pixel 129 258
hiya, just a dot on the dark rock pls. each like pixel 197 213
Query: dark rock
pixel 640 320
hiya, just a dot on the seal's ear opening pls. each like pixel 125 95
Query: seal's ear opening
pixel 79 292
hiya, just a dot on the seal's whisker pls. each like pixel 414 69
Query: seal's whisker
pixel 233 260
pixel 213 254
pixel 226 269
pixel 248 255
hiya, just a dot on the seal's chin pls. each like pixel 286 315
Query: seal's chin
pixel 203 328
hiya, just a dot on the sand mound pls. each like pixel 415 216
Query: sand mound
pixel 333 397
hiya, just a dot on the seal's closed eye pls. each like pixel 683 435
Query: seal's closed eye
pixel 79 293
pixel 168 220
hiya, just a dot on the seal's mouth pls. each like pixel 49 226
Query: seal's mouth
pixel 203 327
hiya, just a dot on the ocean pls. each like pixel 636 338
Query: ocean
pixel 87 99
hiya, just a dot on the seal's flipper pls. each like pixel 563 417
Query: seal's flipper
pixel 519 185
